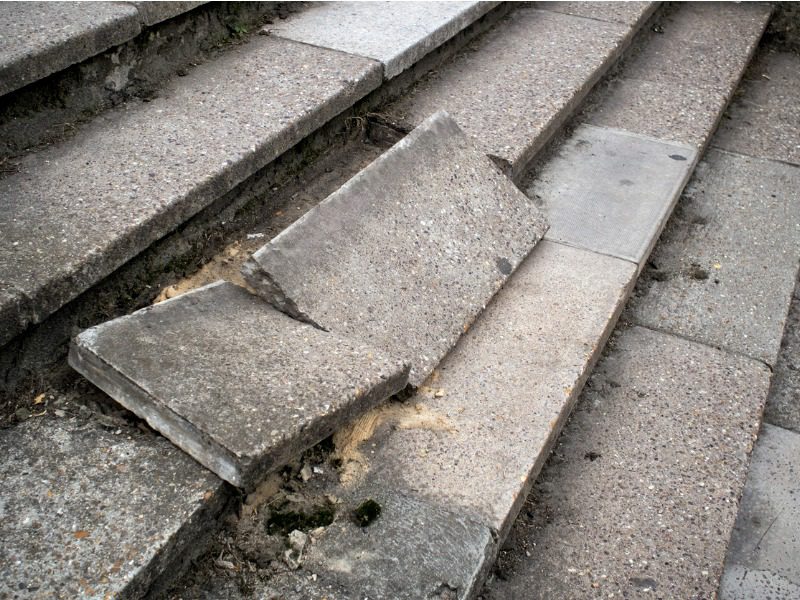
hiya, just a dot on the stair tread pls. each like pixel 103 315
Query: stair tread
pixel 238 385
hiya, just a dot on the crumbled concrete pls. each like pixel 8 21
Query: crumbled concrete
pixel 764 554
pixel 705 45
pixel 152 12
pixel 666 110
pixel 726 265
pixel 236 384
pixel 89 511
pixel 407 253
pixel 40 38
pixel 640 495
pixel 397 34
pixel 611 191
pixel 495 405
pixel 764 117
pixel 630 13
pixel 77 211
pixel 783 404
pixel 514 87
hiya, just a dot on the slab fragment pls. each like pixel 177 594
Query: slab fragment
pixel 765 116
pixel 630 13
pixel 397 34
pixel 239 386
pixel 639 497
pixel 40 38
pixel 153 12
pixel 91 512
pixel 611 191
pixel 783 404
pixel 407 253
pixel 78 210
pixel 764 554
pixel 726 266
pixel 514 87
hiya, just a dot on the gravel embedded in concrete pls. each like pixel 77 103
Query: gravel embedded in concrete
pixel 630 13
pixel 397 34
pixel 724 270
pixel 611 191
pixel 236 384
pixel 92 512
pixel 640 495
pixel 407 253
pixel 78 210
pixel 783 404
pixel 152 12
pixel 764 554
pixel 513 87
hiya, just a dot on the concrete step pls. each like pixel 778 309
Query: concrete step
pixel 69 221
pixel 410 275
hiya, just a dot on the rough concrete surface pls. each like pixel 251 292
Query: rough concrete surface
pixel 40 38
pixel 92 512
pixel 764 554
pixel 513 87
pixel 407 253
pixel 724 270
pixel 630 13
pixel 611 191
pixel 75 212
pixel 396 33
pixel 496 403
pixel 238 385
pixel 151 13
pixel 783 404
pixel 640 496
pixel 764 117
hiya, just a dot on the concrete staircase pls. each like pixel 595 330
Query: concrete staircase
pixel 426 267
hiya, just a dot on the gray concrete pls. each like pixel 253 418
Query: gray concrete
pixel 40 38
pixel 515 86
pixel 236 384
pixel 396 33
pixel 765 116
pixel 783 404
pixel 503 394
pixel 763 558
pixel 630 13
pixel 92 512
pixel 76 211
pixel 725 269
pixel 153 12
pixel 407 253
pixel 611 191
pixel 639 497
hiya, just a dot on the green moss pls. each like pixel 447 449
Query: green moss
pixel 366 513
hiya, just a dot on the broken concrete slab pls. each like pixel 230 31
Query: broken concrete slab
pixel 397 34
pixel 78 210
pixel 92 512
pixel 763 558
pixel 407 253
pixel 726 265
pixel 40 38
pixel 154 12
pixel 514 87
pixel 239 386
pixel 783 404
pixel 639 496
pixel 611 191
pixel 477 432
pixel 630 13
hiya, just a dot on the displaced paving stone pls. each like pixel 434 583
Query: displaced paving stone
pixel 236 384
pixel 765 115
pixel 77 211
pixel 630 13
pixel 40 38
pixel 783 404
pixel 640 495
pixel 515 86
pixel 154 12
pixel 611 191
pixel 92 512
pixel 407 253
pixel 764 554
pixel 668 111
pixel 481 427
pixel 726 265
pixel 397 34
